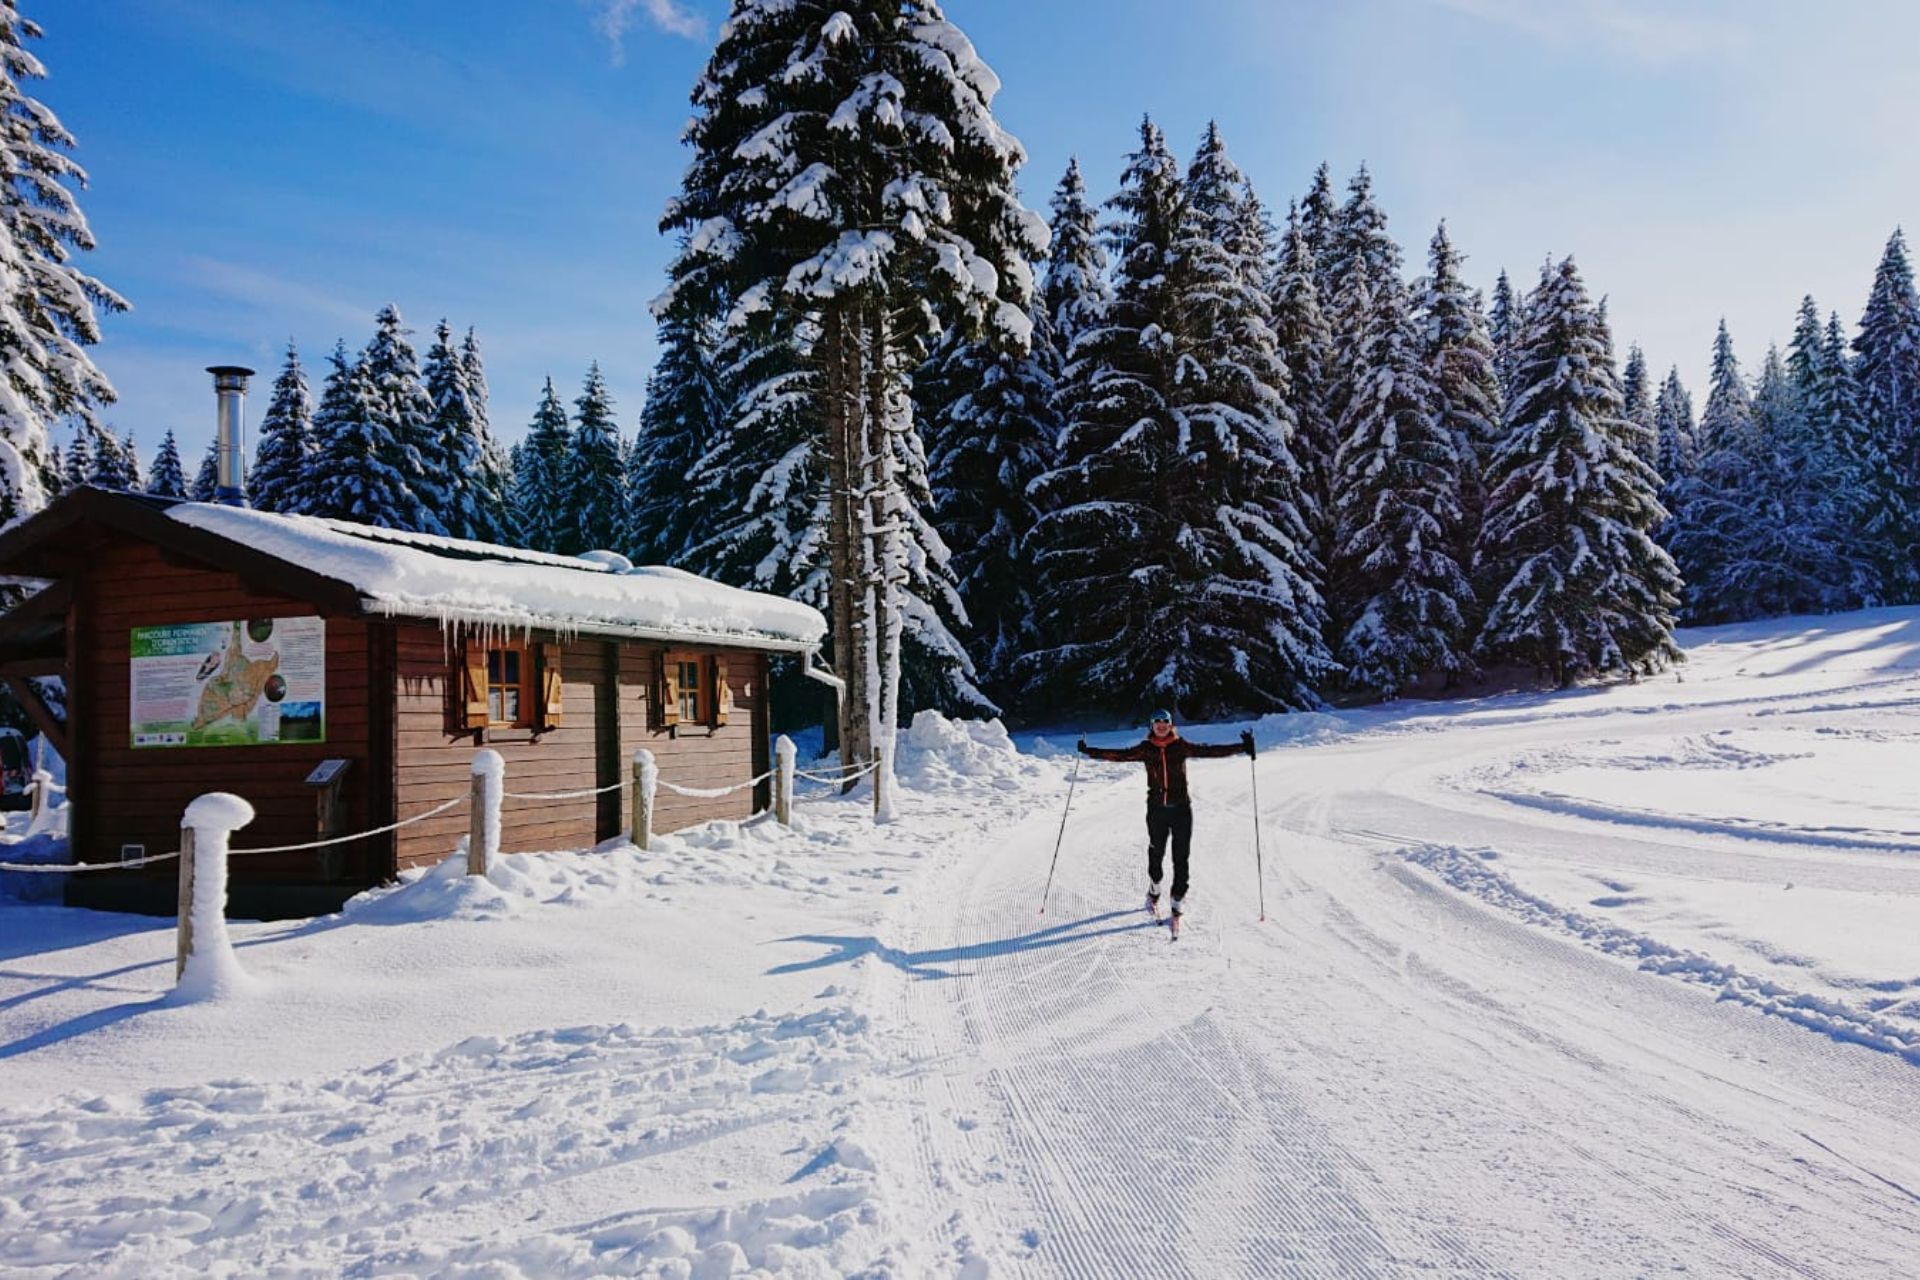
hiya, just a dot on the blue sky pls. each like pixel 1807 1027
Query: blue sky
pixel 266 171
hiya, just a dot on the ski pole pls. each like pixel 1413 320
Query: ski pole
pixel 1071 779
pixel 1259 862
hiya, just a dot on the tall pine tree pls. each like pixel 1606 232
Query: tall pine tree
pixel 1400 595
pixel 353 473
pixel 1886 372
pixel 1306 345
pixel 285 452
pixel 400 425
pixel 491 484
pixel 1575 581
pixel 1637 397
pixel 48 305
pixel 206 479
pixel 848 170
pixel 596 473
pixel 680 418
pixel 1460 363
pixel 168 479
pixel 543 511
pixel 1714 506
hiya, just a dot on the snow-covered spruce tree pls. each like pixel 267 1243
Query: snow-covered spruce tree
pixel 1636 405
pixel 47 304
pixel 596 480
pixel 113 464
pixel 353 476
pixel 401 427
pixel 1306 345
pixel 848 168
pixel 1504 323
pixel 1835 409
pixel 206 479
pixel 1674 461
pixel 77 466
pixel 990 433
pixel 1575 582
pixel 542 507
pixel 285 452
pixel 1259 609
pixel 168 479
pixel 1400 596
pixel 761 482
pixel 1144 532
pixel 1886 371
pixel 1817 471
pixel 1363 259
pixel 1073 287
pixel 55 473
pixel 1319 210
pixel 1466 388
pixel 681 416
pixel 491 483
pixel 1714 504
pixel 136 474
pixel 454 437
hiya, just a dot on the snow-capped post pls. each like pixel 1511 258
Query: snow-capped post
pixel 882 785
pixel 645 776
pixel 483 810
pixel 41 789
pixel 204 963
pixel 783 780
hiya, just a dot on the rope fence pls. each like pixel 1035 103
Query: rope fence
pixel 208 824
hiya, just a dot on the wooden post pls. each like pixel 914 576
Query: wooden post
pixel 783 780
pixel 183 935
pixel 483 810
pixel 880 805
pixel 42 788
pixel 645 777
pixel 205 965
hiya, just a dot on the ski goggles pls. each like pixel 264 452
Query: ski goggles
pixel 1161 717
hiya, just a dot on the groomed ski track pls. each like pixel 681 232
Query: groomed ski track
pixel 1389 1077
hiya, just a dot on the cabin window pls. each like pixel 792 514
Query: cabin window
pixel 692 690
pixel 509 701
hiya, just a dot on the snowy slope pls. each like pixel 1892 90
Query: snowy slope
pixel 1534 998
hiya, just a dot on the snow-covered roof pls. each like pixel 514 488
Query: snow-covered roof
pixel 416 575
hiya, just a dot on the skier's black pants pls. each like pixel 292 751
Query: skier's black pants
pixel 1165 820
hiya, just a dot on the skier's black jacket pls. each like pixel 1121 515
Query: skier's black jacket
pixel 1166 761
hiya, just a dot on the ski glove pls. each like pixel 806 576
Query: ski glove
pixel 1246 740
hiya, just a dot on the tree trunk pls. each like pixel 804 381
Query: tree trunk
pixel 843 403
pixel 886 566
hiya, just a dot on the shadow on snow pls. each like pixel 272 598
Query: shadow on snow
pixel 925 964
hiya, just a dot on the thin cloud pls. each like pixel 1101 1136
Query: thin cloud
pixel 1649 33
pixel 614 18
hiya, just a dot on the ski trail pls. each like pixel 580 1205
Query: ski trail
pixel 1114 1122
pixel 1387 1078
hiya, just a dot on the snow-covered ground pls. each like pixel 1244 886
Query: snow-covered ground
pixel 1613 982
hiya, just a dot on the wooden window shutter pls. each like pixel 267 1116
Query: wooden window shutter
pixel 670 690
pixel 722 691
pixel 551 689
pixel 470 710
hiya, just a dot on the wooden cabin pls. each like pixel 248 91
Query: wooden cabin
pixel 339 677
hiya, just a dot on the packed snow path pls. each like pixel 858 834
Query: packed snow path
pixel 1618 982
pixel 1389 1077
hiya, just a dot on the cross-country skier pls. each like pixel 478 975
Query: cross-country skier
pixel 1169 807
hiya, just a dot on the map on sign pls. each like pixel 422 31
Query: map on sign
pixel 220 684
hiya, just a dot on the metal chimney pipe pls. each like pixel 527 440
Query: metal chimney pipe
pixel 230 384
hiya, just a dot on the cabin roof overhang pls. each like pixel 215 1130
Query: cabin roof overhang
pixel 393 575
